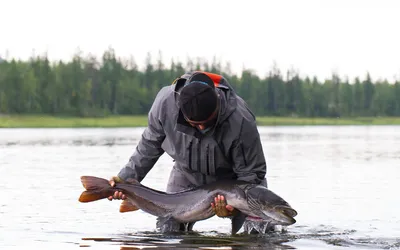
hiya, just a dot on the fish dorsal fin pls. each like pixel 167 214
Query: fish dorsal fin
pixel 127 206
pixel 237 222
pixel 132 181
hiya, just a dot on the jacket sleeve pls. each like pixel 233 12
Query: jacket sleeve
pixel 248 156
pixel 149 149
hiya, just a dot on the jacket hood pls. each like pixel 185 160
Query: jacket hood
pixel 227 95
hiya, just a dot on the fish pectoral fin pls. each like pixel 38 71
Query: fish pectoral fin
pixel 168 224
pixel 163 220
pixel 127 206
pixel 237 222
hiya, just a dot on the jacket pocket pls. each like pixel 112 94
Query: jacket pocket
pixel 207 160
pixel 194 158
pixel 211 160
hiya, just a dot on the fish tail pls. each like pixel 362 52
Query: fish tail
pixel 96 189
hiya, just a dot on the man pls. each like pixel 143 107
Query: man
pixel 210 133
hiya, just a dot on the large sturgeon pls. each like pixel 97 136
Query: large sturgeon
pixel 192 205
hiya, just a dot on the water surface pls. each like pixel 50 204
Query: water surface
pixel 343 181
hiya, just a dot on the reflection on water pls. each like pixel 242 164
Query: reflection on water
pixel 194 241
pixel 343 181
pixel 213 240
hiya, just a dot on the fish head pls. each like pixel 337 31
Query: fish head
pixel 266 205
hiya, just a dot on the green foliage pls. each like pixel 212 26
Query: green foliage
pixel 89 87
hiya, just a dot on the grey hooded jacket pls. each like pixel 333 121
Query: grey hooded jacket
pixel 232 151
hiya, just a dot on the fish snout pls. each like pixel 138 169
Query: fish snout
pixel 288 214
pixel 287 211
pixel 289 221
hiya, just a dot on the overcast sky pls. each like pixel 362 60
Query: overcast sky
pixel 315 37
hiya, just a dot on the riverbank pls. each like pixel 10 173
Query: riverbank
pixel 36 121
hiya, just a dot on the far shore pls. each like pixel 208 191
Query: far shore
pixel 41 121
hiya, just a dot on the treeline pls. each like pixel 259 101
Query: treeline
pixel 86 86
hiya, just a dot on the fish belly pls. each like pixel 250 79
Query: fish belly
pixel 194 212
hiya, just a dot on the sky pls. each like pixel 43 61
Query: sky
pixel 314 37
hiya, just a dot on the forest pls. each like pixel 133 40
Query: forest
pixel 87 86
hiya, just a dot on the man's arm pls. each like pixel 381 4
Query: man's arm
pixel 148 150
pixel 249 164
pixel 247 154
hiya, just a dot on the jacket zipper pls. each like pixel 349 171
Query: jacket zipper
pixel 190 155
pixel 244 156
pixel 199 156
pixel 208 160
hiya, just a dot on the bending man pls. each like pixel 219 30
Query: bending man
pixel 210 133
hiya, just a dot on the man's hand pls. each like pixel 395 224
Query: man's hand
pixel 117 195
pixel 221 209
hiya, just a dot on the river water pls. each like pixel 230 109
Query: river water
pixel 342 180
